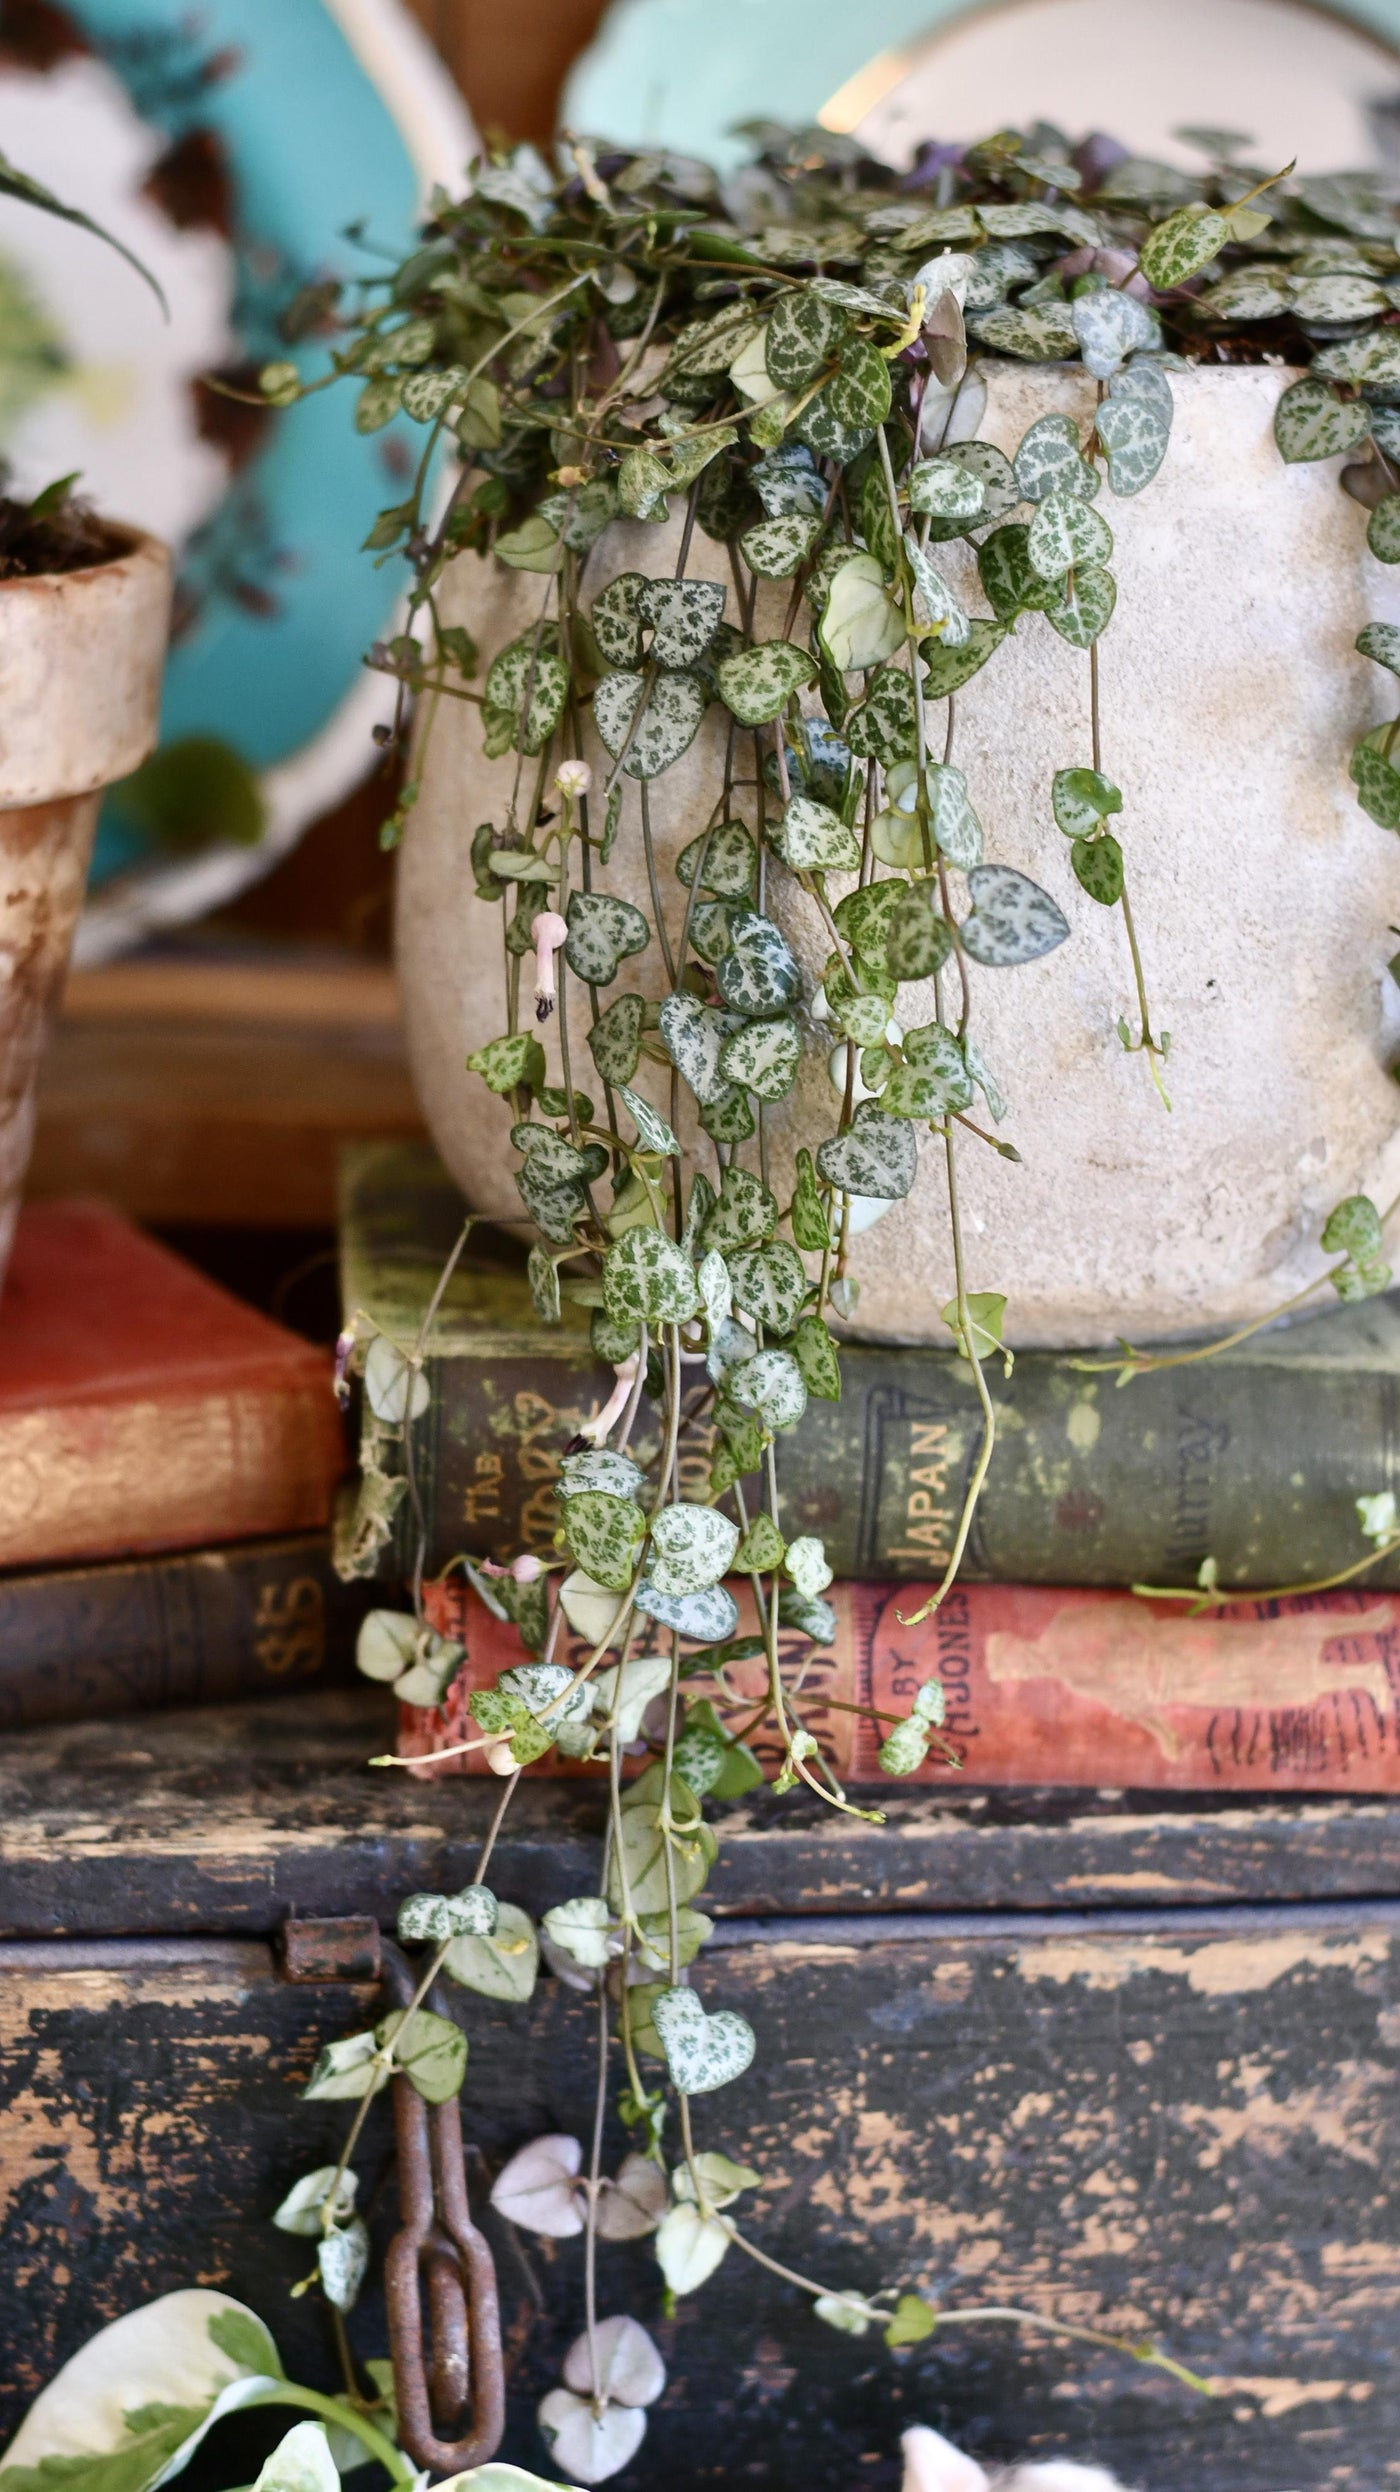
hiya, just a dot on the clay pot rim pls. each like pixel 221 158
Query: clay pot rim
pixel 132 545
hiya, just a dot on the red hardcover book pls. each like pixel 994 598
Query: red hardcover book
pixel 143 1408
pixel 1073 1688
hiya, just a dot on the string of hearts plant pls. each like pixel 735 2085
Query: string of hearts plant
pixel 792 360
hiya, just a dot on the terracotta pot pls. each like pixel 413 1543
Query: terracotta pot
pixel 80 668
pixel 1265 899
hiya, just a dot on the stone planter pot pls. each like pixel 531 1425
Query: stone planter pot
pixel 1264 897
pixel 80 668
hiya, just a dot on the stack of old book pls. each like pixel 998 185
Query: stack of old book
pixel 1055 1671
pixel 168 1461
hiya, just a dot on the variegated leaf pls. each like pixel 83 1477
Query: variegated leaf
pixel 616 1039
pixel 934 601
pixel 1181 246
pixel 843 416
pixel 646 1277
pixel 684 616
pixel 861 625
pixel 1012 919
pixel 812 839
pixel 617 619
pixel 776 548
pixel 603 932
pixel 764 1056
pixel 1109 326
pixel 770 1283
pixel 1049 460
pixel 653 1132
pixel 805 334
pixel 1134 433
pixel 1038 333
pixel 729 857
pixel 877 1156
pixel 946 668
pixel 529 685
pixel 759 682
pixel 956 829
pixel 693 1034
pixel 702 2051
pixel 1086 608
pixel 789 482
pixel 1065 534
pixel 707 1617
pixel 758 975
pixel 675 705
pixel 745 1215
pixel 691 1547
pixel 1312 422
pixel 771 1384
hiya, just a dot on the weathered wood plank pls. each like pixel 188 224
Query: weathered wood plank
pixel 226 1819
pixel 1186 2124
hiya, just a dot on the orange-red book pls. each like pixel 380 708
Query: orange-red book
pixel 142 1407
pixel 1074 1688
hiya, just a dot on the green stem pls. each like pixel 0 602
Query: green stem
pixel 344 2416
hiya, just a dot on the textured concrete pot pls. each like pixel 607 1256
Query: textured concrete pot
pixel 1265 898
pixel 80 667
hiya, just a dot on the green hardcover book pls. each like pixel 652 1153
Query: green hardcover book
pixel 1255 1457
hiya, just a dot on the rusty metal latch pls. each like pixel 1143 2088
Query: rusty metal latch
pixel 436 2245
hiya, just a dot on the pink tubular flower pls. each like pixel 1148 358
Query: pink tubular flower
pixel 547 932
pixel 524 1569
pixel 600 1426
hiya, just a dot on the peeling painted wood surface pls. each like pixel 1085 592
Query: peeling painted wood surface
pixel 1187 2124
pixel 225 1820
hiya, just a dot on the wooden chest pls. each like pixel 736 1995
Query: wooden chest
pixel 1132 2065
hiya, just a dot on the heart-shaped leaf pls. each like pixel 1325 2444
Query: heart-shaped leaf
pixel 726 860
pixel 1008 575
pixel 770 1283
pixel 616 1039
pixel 1371 361
pixel 817 1361
pixel 804 335
pixel 528 684
pixel 642 480
pixel 693 1035
pixel 843 416
pixel 861 625
pixel 776 548
pixel 789 482
pixel 342 2260
pixel 387 1644
pixel 472 1913
pixel 1381 641
pixel 883 728
pixel 684 615
pixel 1377 778
pixel 1312 422
pixel 956 829
pixel 653 1132
pixel 1049 460
pixel 603 932
pixel 703 2051
pixel 1098 868
pixel 503 1966
pixel 302 2210
pixel 771 1383
pixel 935 603
pixel 1135 434
pixel 948 667
pixel 618 2362
pixel 395 1387
pixel 664 728
pixel 632 2205
pixel 1082 799
pixel 757 683
pixel 919 940
pixel 583 1927
pixel 644 1842
pixel 1037 332
pixel 1086 608
pixel 1012 921
pixel 877 1156
pixel 812 839
pixel 1066 532
pixel 764 1056
pixel 625 1702
pixel 346 2070
pixel 1110 326
pixel 617 619
pixel 946 488
pixel 433 2053
pixel 1181 245
pixel 807 1565
pixel 538 2188
pixel 691 1546
pixel 689 2247
pixel 933 1079
pixel 512 1063
pixel 705 1617
pixel 542 1273
pixel 646 1277
pixel 588 2444
pixel 810 1616
pixel 1383 533
pixel 745 1214
pixel 602 1533
pixel 758 975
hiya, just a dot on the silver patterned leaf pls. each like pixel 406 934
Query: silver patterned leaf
pixel 745 1215
pixel 529 685
pixel 764 1056
pixel 996 268
pixel 1110 325
pixel 704 351
pixel 932 1080
pixel 877 1156
pixel 675 705
pixel 1325 298
pixel 597 1466
pixel 1049 460
pixel 543 1274
pixel 646 1277
pixel 934 601
pixel 726 860
pixel 758 975
pixel 716 1292
pixel 770 1283
pixel 789 482
pixel 812 839
pixel 693 1034
pixel 758 683
pixel 642 484
pixel 771 1384
pixel 1312 422
pixel 1012 919
pixel 1181 246
pixel 1383 532
pixel 842 417
pixel 1248 294
pixel 1081 800
pixel 603 932
pixel 776 548
pixel 707 1617
pixel 804 335
pixel 858 299
pixel 945 669
pixel 946 488
pixel 1371 361
pixel 702 2051
pixel 1066 533
pixel 1381 641
pixel 602 1532
pixel 617 619
pixel 1087 606
pixel 615 1039
pixel 883 729
pixel 653 1132
pixel 425 394
pixel 1037 333
pixel 684 616
pixel 709 929
pixel 1134 434
pixel 956 829
pixel 691 1547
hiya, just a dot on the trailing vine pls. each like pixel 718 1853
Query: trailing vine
pixel 790 364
